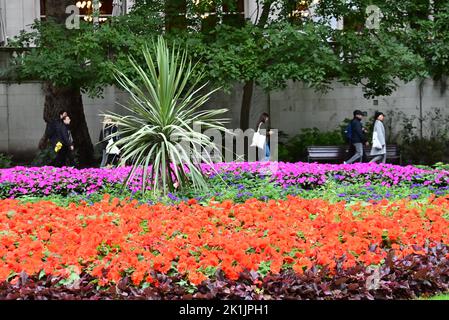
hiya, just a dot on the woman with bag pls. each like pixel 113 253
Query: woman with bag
pixel 110 152
pixel 262 141
pixel 379 148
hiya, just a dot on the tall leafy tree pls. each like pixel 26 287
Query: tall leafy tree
pixel 63 67
pixel 268 57
pixel 71 62
pixel 281 45
pixel 285 44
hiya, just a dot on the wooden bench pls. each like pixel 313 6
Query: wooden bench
pixel 393 153
pixel 320 153
pixel 341 153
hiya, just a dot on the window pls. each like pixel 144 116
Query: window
pixel 86 9
pixel 43 10
pixel 354 21
pixel 299 10
pixel 234 13
pixel 420 11
pixel 203 14
pixel 175 15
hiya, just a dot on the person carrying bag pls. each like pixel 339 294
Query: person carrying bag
pixel 258 139
pixel 262 141
pixel 107 138
pixel 379 148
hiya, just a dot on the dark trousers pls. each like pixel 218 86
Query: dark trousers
pixel 64 158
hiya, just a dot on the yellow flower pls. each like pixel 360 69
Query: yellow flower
pixel 58 146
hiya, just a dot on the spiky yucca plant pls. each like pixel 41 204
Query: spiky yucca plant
pixel 165 101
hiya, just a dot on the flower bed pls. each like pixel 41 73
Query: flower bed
pixel 111 240
pixel 408 278
pixel 19 181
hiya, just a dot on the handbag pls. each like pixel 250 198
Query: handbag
pixel 258 139
pixel 376 142
pixel 111 149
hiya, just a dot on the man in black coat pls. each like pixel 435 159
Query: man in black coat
pixel 358 138
pixel 52 131
pixel 64 152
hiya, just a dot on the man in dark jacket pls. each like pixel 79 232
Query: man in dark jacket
pixel 64 153
pixel 358 138
pixel 52 131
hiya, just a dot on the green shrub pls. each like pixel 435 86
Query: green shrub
pixel 441 166
pixel 424 151
pixel 295 149
pixel 429 146
pixel 44 157
pixel 5 161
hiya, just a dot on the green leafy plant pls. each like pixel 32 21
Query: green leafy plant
pixel 5 160
pixel 424 140
pixel 43 157
pixel 295 149
pixel 441 166
pixel 165 98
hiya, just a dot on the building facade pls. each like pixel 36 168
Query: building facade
pixel 18 15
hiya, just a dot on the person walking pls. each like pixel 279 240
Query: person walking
pixel 379 148
pixel 52 136
pixel 107 138
pixel 358 138
pixel 64 146
pixel 263 120
pixel 51 131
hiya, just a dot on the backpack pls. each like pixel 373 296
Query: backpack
pixel 348 132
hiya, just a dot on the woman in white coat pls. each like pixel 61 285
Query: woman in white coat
pixel 379 146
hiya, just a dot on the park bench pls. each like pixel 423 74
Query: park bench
pixel 327 153
pixel 341 153
pixel 393 153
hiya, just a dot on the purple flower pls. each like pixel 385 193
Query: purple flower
pixel 172 197
pixel 45 180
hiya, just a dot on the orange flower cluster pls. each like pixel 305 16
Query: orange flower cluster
pixel 111 238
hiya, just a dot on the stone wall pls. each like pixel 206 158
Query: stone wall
pixel 17 15
pixel 21 116
pixel 296 107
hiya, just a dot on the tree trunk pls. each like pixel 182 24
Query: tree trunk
pixel 67 99
pixel 246 104
pixel 249 85
pixel 70 100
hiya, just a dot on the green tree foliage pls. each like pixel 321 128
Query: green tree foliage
pixel 269 56
pixel 81 57
pixel 75 61
pixel 286 46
